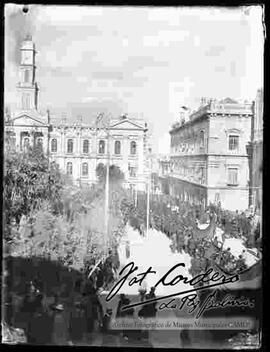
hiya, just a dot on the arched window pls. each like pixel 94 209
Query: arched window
pixel 70 146
pixel 54 145
pixel 85 169
pixel 69 168
pixel 201 139
pixel 133 147
pixel 27 76
pixel 101 147
pixel 117 147
pixel 40 142
pixel 85 146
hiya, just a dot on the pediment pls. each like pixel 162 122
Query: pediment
pixel 235 131
pixel 29 120
pixel 127 125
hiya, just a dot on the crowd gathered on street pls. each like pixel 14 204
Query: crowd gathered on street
pixel 179 220
pixel 80 315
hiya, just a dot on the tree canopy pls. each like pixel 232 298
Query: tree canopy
pixel 29 179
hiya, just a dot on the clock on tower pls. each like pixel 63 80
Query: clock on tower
pixel 27 57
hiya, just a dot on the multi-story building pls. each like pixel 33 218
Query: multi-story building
pixel 209 160
pixel 256 154
pixel 76 147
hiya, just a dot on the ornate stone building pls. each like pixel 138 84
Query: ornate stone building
pixel 256 154
pixel 75 146
pixel 209 160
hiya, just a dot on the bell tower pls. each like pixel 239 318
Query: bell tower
pixel 27 87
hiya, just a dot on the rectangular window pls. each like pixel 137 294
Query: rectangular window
pixel 70 146
pixel 233 142
pixel 85 146
pixel 132 171
pixel 233 176
pixel 85 169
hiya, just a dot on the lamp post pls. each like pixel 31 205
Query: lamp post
pixel 148 193
pixel 107 182
pixel 106 203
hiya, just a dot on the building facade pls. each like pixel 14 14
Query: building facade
pixel 257 154
pixel 209 159
pixel 76 147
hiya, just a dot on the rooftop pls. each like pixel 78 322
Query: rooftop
pixel 224 106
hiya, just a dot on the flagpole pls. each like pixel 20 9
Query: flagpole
pixel 148 197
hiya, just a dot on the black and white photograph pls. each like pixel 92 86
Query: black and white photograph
pixel 132 176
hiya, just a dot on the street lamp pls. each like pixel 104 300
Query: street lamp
pixel 148 192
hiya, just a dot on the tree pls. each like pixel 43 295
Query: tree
pixel 115 174
pixel 29 179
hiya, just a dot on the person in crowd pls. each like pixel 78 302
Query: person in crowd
pixel 122 302
pixel 240 264
pixel 152 310
pixel 227 256
pixel 77 323
pixel 108 335
pixel 40 327
pixel 97 310
pixel 186 241
pixel 230 265
pixel 60 330
pixel 88 315
pixel 142 293
pixel 31 302
pixel 191 246
pixel 106 321
pixel 100 276
pixel 244 255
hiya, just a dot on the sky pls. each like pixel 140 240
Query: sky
pixel 143 61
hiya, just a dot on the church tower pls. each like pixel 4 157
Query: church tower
pixel 27 87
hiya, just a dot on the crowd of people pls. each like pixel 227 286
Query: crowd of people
pixel 74 319
pixel 179 221
pixel 58 320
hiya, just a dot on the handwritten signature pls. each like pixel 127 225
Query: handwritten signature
pixel 210 302
pixel 206 280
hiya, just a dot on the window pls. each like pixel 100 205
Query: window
pixel 69 168
pixel 201 175
pixel 101 147
pixel 27 76
pixel 85 146
pixel 26 143
pixel 233 142
pixel 201 139
pixel 40 142
pixel 233 176
pixel 54 145
pixel 70 146
pixel 132 171
pixel 117 147
pixel 85 169
pixel 133 147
